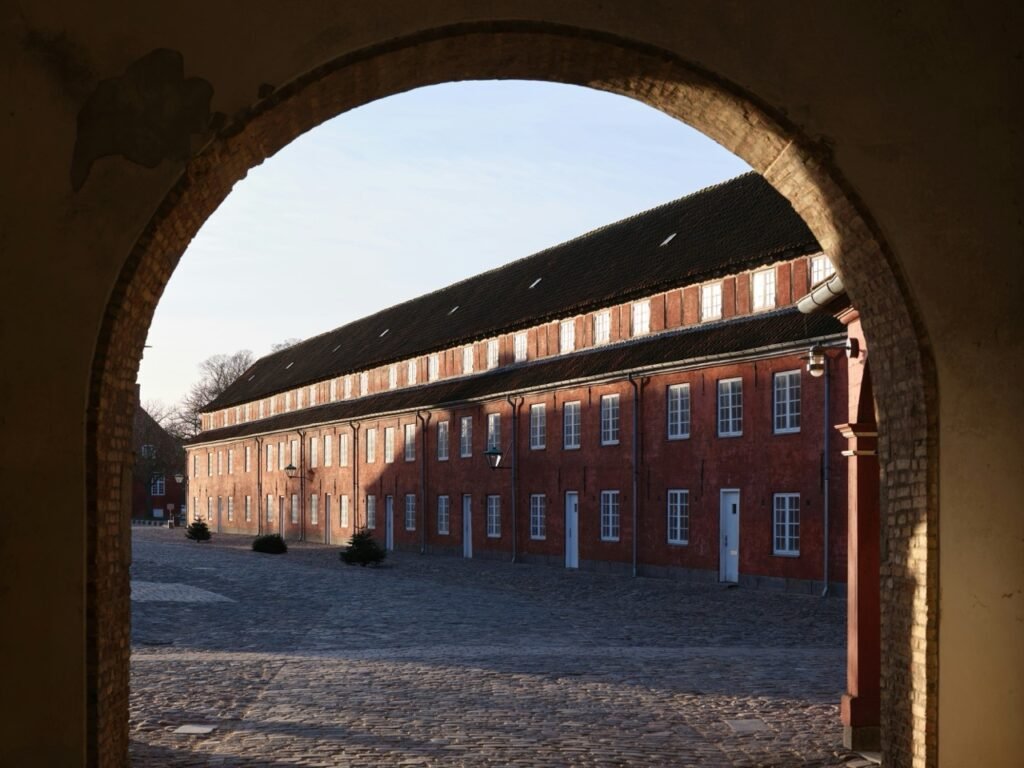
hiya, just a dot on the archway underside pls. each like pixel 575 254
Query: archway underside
pixel 801 171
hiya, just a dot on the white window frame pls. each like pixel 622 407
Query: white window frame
pixel 711 301
pixel 247 458
pixel 609 419
pixel 334 390
pixel 786 406
pixel 494 431
pixel 314 453
pixel 466 437
pixel 295 509
pixel 433 367
pixel 389 445
pixel 762 288
pixel 468 359
pixel 371 445
pixel 314 509
pixel 409 442
pixel 538 426
pixel 411 372
pixel 538 516
pixel 158 484
pixel 347 387
pixel 571 425
pixel 822 268
pixel 677 514
pixel 280 455
pixel 371 512
pixel 328 450
pixel 520 347
pixel 610 516
pixel 364 383
pixel 231 461
pixel 567 336
pixel 295 453
pixel 492 354
pixel 730 407
pixel 410 511
pixel 443 515
pixel 443 441
pixel 641 317
pixel 270 457
pixel 343 511
pixel 677 411
pixel 602 327
pixel 248 509
pixel 786 524
pixel 393 376
pixel 494 516
pixel 343 450
pixel 271 504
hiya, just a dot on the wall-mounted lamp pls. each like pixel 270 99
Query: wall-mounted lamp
pixel 291 470
pixel 852 348
pixel 494 456
pixel 816 361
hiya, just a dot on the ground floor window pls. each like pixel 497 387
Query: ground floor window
pixel 538 516
pixel 410 511
pixel 678 517
pixel 609 515
pixel 494 516
pixel 371 512
pixel 787 524
pixel 231 508
pixel 443 514
pixel 314 509
pixel 270 509
pixel 295 509
pixel 343 512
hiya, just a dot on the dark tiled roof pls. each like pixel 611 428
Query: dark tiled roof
pixel 737 225
pixel 783 328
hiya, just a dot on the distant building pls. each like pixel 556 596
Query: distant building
pixel 159 458
pixel 645 385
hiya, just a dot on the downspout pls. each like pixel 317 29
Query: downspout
pixel 354 458
pixel 259 486
pixel 516 403
pixel 825 478
pixel 302 486
pixel 636 468
pixel 424 424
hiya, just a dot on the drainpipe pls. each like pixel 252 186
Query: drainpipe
pixel 302 486
pixel 636 468
pixel 424 424
pixel 354 458
pixel 516 403
pixel 259 486
pixel 825 473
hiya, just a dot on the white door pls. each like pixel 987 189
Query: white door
pixel 572 529
pixel 389 523
pixel 729 551
pixel 467 525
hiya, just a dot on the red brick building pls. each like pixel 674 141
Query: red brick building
pixel 645 385
pixel 159 458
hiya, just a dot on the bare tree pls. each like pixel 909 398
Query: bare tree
pixel 217 374
pixel 284 344
pixel 162 413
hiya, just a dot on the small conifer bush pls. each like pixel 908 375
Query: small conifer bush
pixel 198 530
pixel 271 544
pixel 363 550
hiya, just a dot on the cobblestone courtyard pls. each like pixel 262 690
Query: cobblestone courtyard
pixel 300 660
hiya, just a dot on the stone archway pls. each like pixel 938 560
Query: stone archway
pixel 799 168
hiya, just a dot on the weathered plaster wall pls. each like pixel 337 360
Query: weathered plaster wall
pixel 919 103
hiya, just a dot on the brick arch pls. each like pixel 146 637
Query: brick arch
pixel 798 167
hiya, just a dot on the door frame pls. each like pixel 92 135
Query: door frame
pixel 573 549
pixel 467 526
pixel 722 548
pixel 389 522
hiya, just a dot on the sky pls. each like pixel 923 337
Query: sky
pixel 406 195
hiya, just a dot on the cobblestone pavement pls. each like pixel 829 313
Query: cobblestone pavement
pixel 442 661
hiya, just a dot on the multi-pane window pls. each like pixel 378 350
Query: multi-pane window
pixel 609 419
pixel 443 514
pixel 678 397
pixel 231 509
pixel 433 367
pixel 764 289
pixel 231 461
pixel 209 509
pixel 343 511
pixel 538 515
pixel 787 402
pixel 270 508
pixel 334 390
pixel 538 426
pixel 389 445
pixel 371 512
pixel 314 509
pixel 157 484
pixel 519 347
pixel 641 318
pixel 314 452
pixel 328 450
pixel 821 268
pixel 466 436
pixel 678 505
pixel 295 509
pixel 247 460
pixel 248 509
pixel 364 383
pixel 493 431
pixel 209 464
pixel 409 444
pixel 348 387
pixel 342 450
pixel 195 464
pixel 786 522
pixel 467 358
pixel 711 301
pixel 371 445
pixel 411 370
pixel 280 455
pixel 571 425
pixel 312 395
pixel 567 336
pixel 295 453
pixel 442 441
pixel 492 354
pixel 410 511
pixel 392 376
pixel 602 327
pixel 609 515
pixel 494 516
pixel 730 407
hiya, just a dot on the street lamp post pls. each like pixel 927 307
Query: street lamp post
pixel 180 478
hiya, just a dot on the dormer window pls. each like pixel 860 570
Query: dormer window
pixel 821 268
pixel 763 287
pixel 641 318
pixel 567 336
pixel 711 301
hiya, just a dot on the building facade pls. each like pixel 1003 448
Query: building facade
pixel 157 495
pixel 643 390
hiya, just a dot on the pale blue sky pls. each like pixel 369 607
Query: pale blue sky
pixel 407 195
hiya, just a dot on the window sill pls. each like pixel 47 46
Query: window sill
pixel 730 434
pixel 787 431
pixel 538 538
pixel 685 543
pixel 610 541
pixel 786 554
pixel 570 447
pixel 678 438
pixel 611 442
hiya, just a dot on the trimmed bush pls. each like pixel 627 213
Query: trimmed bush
pixel 198 530
pixel 363 550
pixel 271 544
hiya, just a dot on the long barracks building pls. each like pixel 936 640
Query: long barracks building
pixel 645 384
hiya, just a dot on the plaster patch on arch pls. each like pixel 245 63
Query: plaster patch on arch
pixel 800 170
